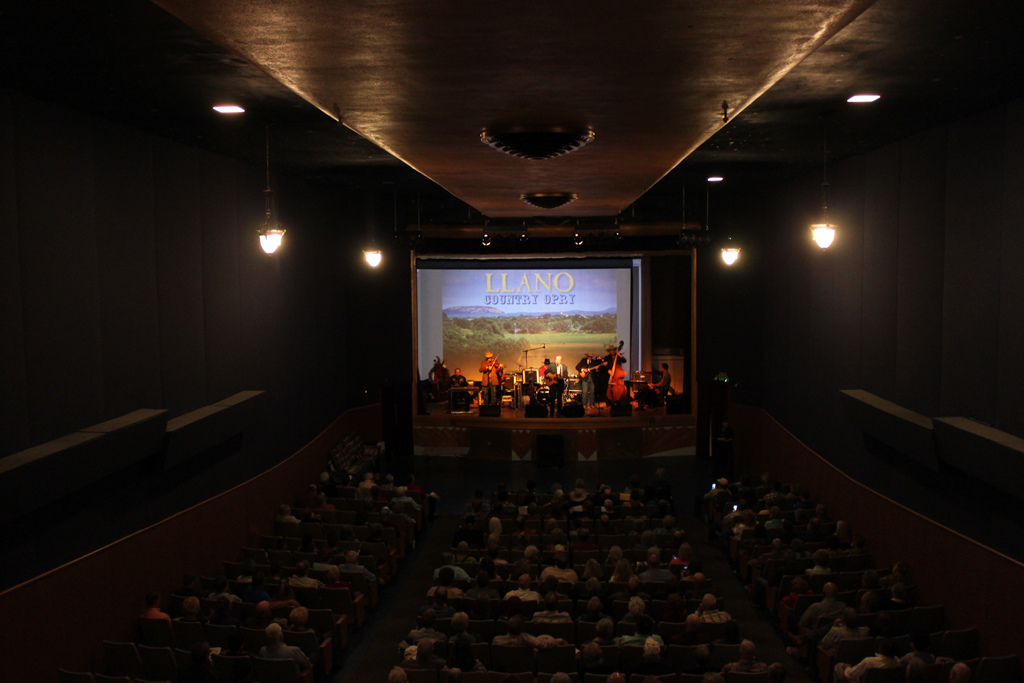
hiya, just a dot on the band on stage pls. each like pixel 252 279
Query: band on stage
pixel 593 381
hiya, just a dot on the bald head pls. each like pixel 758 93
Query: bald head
pixel 616 678
pixel 524 582
pixel 960 673
pixel 709 601
pixel 748 651
pixel 829 590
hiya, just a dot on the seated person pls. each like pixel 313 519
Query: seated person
pixel 447 562
pixel 439 604
pixel 651 664
pixel 635 609
pixel 592 661
pixel 190 587
pixel 692 635
pixel 845 672
pixel 523 591
pixel 425 658
pixel 445 580
pixel 220 590
pixel 482 587
pixel 747 663
pixel 655 572
pixel 516 638
pixel 594 611
pixel 189 610
pixel 561 570
pixel 276 649
pixel 427 621
pixel 222 614
pixel 460 622
pixel 153 610
pixel 551 614
pixel 920 643
pixel 709 613
pixel 644 630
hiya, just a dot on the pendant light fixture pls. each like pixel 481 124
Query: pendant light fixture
pixel 271 233
pixel 824 233
pixel 372 253
pixel 730 252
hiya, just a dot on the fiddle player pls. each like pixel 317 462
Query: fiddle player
pixel 489 370
pixel 584 369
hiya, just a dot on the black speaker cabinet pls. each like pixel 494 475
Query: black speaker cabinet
pixel 550 450
pixel 573 410
pixel 622 410
pixel 490 411
pixel 674 405
pixel 535 410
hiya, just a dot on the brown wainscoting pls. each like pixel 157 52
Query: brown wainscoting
pixel 979 586
pixel 60 618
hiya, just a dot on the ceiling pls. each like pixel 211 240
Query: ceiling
pixel 132 62
pixel 425 80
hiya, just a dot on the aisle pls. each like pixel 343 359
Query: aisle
pixel 373 650
pixel 753 625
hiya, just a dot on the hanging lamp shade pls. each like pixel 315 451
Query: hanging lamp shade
pixel 730 252
pixel 823 234
pixel 270 239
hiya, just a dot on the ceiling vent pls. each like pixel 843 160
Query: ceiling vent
pixel 537 144
pixel 548 200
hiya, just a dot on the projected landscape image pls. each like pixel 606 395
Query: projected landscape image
pixel 569 312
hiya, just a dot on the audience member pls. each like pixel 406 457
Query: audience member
pixel 276 649
pixel 747 663
pixel 153 610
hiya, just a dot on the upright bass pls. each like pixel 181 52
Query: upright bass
pixel 617 379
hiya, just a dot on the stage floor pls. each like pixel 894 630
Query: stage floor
pixel 513 436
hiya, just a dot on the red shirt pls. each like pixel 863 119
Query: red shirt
pixel 155 613
pixel 417 487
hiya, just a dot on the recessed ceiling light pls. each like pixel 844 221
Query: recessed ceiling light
pixel 229 109
pixel 863 98
pixel 715 179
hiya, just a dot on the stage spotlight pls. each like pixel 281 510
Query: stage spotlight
pixel 486 240
pixel 577 239
pixel 373 257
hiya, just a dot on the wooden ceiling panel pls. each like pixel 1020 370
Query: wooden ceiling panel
pixel 424 80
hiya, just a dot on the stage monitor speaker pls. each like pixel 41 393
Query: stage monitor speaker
pixel 675 404
pixel 573 410
pixel 490 411
pixel 550 450
pixel 622 410
pixel 536 410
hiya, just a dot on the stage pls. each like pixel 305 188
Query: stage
pixel 513 436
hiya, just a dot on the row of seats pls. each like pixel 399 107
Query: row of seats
pixel 164 648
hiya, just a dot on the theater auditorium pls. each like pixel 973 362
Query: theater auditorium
pixel 442 342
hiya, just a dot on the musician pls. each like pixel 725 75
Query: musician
pixel 555 376
pixel 458 379
pixel 652 392
pixel 604 377
pixel 489 370
pixel 585 370
pixel 559 368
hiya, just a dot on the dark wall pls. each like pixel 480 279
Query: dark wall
pixel 131 276
pixel 920 300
